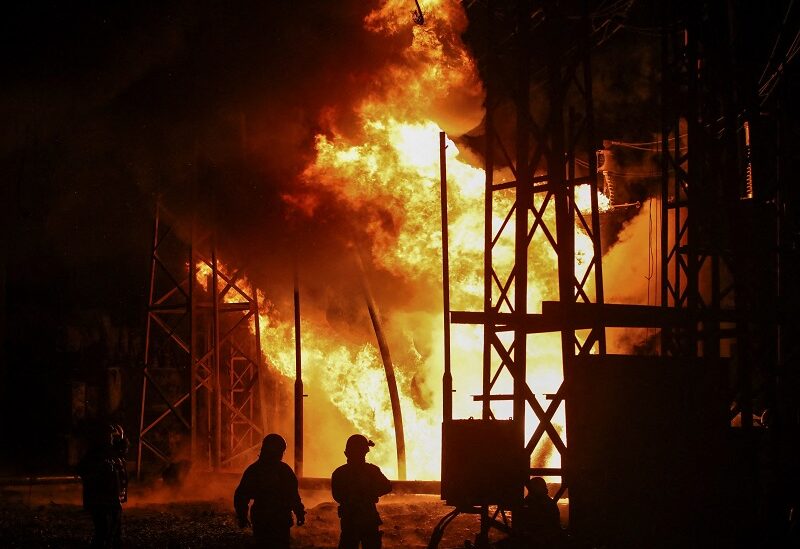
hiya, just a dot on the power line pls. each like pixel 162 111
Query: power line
pixel 644 143
pixel 767 87
pixel 777 41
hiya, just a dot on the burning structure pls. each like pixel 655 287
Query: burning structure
pixel 614 376
pixel 535 324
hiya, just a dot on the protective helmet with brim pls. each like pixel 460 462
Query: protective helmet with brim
pixel 358 444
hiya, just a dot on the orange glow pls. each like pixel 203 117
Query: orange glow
pixel 202 274
pixel 233 292
pixel 394 163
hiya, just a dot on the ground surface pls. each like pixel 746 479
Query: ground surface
pixel 51 516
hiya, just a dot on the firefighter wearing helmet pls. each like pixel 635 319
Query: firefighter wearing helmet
pixel 105 482
pixel 272 485
pixel 356 487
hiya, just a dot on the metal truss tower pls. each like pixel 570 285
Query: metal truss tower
pixel 700 184
pixel 537 73
pixel 723 252
pixel 202 389
pixel 632 421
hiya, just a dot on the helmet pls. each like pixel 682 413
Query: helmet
pixel 537 485
pixel 119 443
pixel 116 432
pixel 357 445
pixel 273 445
pixel 106 436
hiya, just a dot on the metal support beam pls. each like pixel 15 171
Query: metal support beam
pixel 298 384
pixel 447 376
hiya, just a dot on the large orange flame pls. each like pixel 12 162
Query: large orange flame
pixel 394 164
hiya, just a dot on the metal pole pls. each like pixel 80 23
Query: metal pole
pixel 665 104
pixel 696 177
pixel 262 382
pixel 524 201
pixel 488 269
pixel 216 458
pixel 298 384
pixel 141 425
pixel 192 343
pixel 147 341
pixel 447 379
pixel 592 158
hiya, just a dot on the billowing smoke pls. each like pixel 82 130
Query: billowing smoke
pixel 274 121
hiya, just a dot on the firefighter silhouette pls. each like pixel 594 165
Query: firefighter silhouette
pixel 272 485
pixel 540 522
pixel 356 487
pixel 105 483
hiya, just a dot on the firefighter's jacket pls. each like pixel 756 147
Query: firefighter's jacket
pixel 356 488
pixel 539 520
pixel 272 485
pixel 104 478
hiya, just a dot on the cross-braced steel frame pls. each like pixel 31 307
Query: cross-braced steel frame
pixel 716 262
pixel 201 389
pixel 549 96
pixel 699 185
pixel 707 293
pixel 710 230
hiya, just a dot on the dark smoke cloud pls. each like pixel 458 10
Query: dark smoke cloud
pixel 106 105
pixel 110 104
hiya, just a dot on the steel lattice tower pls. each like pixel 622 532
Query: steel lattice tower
pixel 536 67
pixel 543 217
pixel 726 248
pixel 203 392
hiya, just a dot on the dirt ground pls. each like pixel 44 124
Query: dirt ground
pixel 202 517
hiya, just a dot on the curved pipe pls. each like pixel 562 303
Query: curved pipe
pixel 391 381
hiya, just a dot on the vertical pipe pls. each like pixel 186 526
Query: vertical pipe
pixel 298 384
pixel 488 322
pixel 217 420
pixel 447 378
